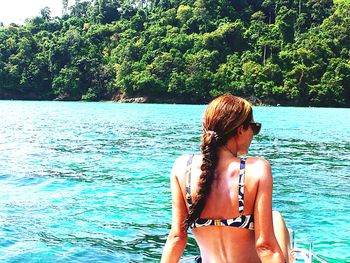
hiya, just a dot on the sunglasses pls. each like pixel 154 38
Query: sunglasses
pixel 256 127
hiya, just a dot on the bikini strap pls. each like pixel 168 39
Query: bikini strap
pixel 188 181
pixel 241 187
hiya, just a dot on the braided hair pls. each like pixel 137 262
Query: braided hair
pixel 221 120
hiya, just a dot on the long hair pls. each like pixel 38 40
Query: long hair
pixel 221 120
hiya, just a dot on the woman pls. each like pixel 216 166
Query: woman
pixel 224 199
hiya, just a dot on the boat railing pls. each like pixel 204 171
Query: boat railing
pixel 308 255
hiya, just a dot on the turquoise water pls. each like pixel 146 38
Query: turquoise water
pixel 89 182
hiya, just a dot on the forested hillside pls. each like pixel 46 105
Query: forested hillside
pixel 288 52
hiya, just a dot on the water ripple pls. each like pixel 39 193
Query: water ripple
pixel 89 182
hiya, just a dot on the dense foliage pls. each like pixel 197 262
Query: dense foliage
pixel 294 52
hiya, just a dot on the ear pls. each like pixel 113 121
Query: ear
pixel 240 130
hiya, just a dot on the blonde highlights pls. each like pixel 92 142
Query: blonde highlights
pixel 221 120
pixel 224 115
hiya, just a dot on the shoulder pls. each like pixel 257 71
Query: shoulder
pixel 180 165
pixel 258 162
pixel 183 159
pixel 260 167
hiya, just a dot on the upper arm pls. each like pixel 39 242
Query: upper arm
pixel 264 232
pixel 179 209
pixel 177 238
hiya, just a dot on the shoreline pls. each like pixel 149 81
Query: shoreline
pixel 122 98
pixel 141 100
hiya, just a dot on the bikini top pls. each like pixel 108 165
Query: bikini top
pixel 242 221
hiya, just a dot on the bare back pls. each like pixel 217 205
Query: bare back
pixel 225 243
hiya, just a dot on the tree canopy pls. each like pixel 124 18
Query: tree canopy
pixel 288 52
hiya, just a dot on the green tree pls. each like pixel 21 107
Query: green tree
pixel 272 51
pixel 66 84
pixel 105 11
pixel 286 20
pixel 46 13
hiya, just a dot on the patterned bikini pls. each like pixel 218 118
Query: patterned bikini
pixel 242 221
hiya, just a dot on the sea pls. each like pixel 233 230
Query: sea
pixel 89 181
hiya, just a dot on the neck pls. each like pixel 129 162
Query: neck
pixel 233 153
